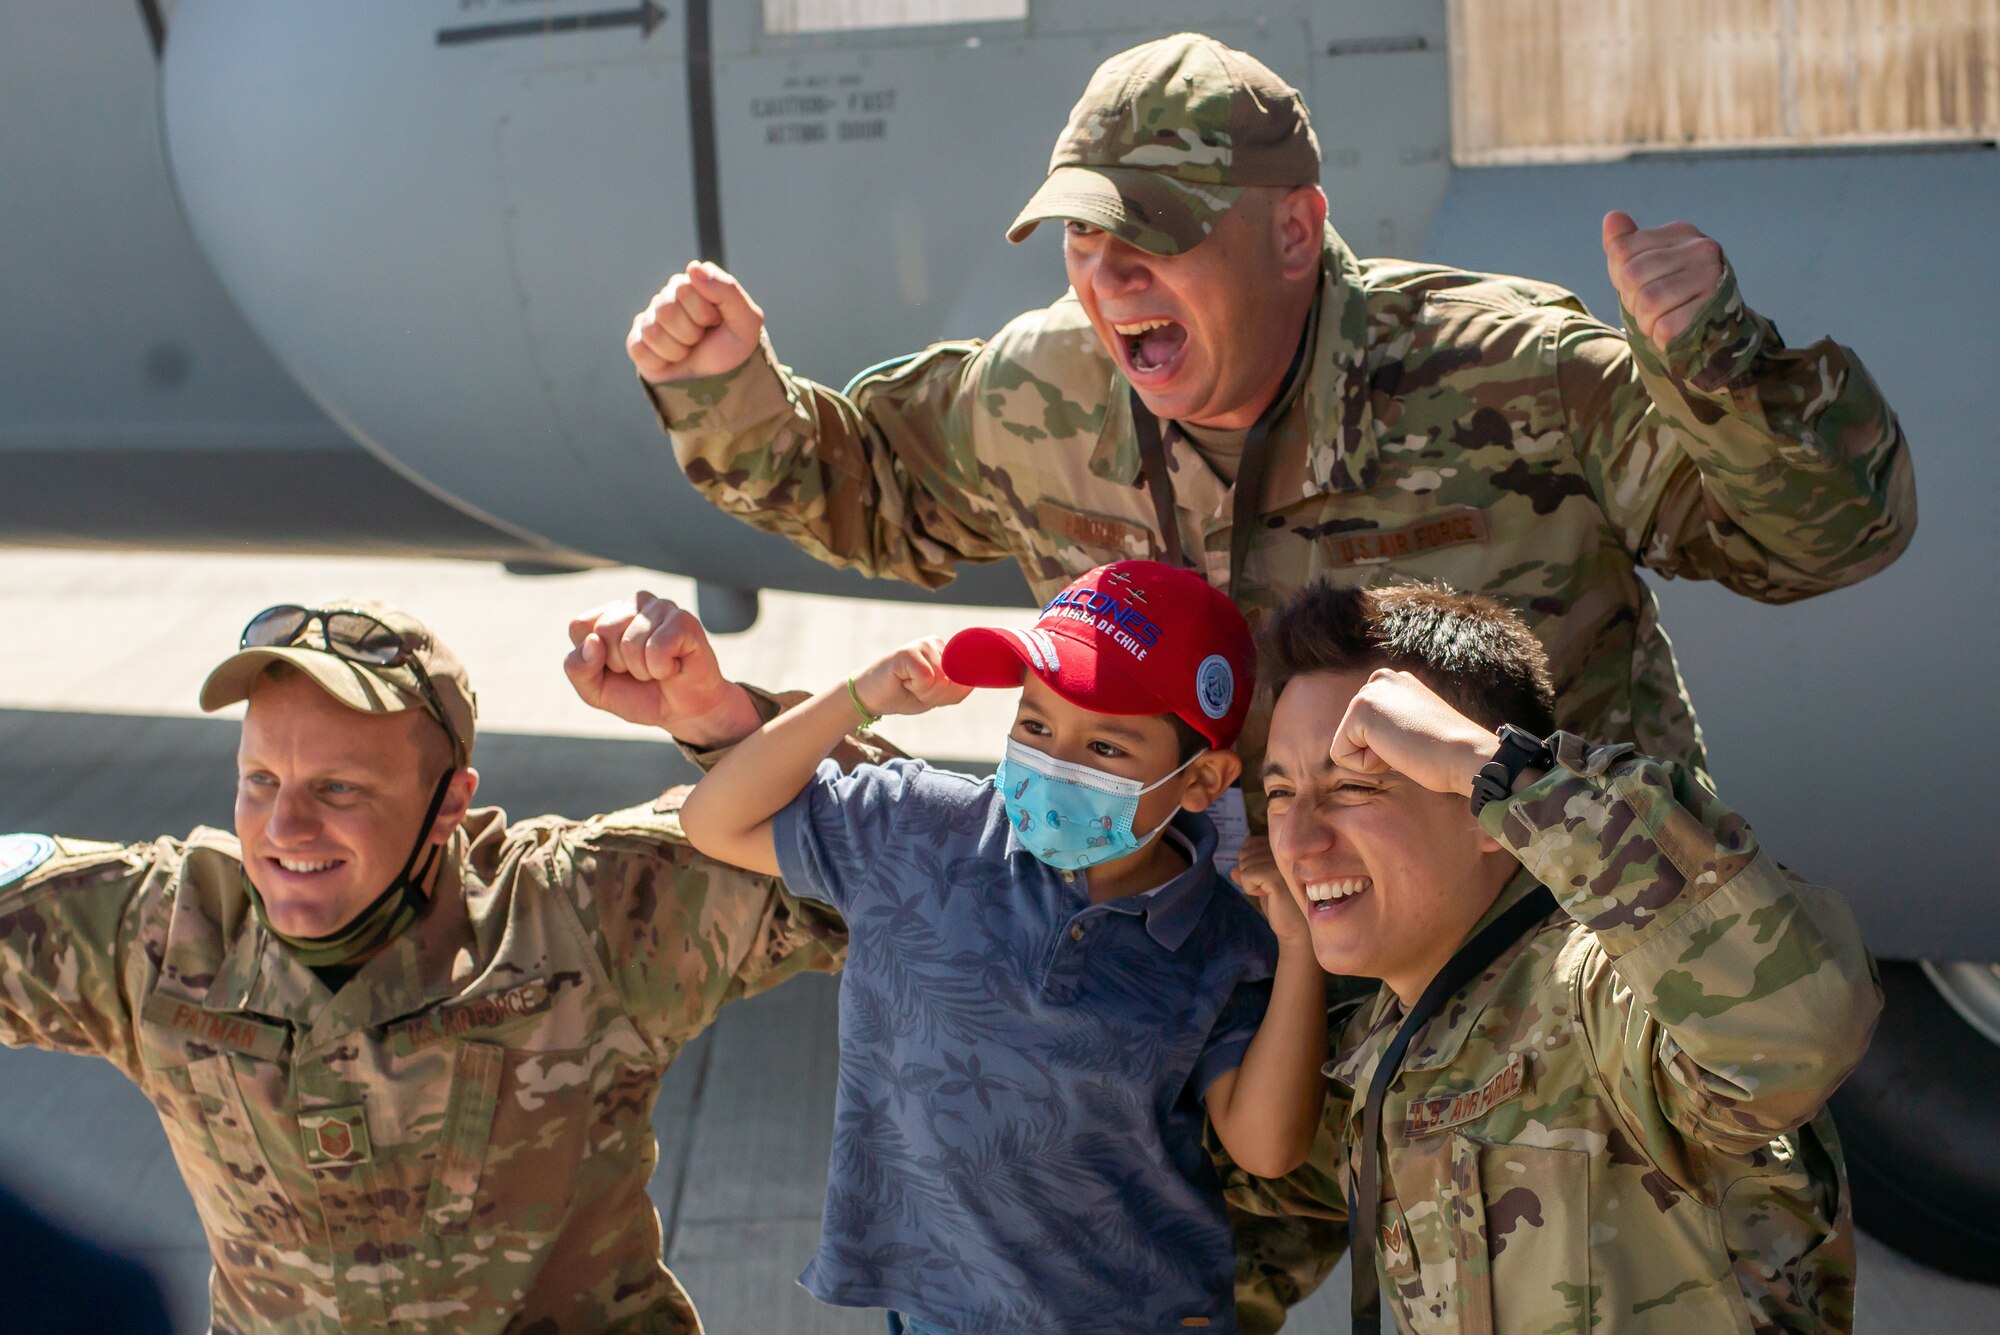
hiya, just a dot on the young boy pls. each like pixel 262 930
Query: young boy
pixel 1590 1093
pixel 1046 978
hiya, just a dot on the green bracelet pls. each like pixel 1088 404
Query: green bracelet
pixel 868 720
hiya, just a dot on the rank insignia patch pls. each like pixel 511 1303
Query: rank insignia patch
pixel 335 1137
pixel 1396 1255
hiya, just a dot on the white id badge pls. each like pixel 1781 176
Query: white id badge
pixel 1232 827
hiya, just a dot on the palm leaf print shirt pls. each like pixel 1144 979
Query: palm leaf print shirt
pixel 1018 1130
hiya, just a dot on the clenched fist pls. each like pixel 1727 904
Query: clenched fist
pixel 647 660
pixel 701 323
pixel 1256 872
pixel 1395 722
pixel 909 681
pixel 1664 275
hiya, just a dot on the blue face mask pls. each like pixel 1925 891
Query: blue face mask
pixel 1073 816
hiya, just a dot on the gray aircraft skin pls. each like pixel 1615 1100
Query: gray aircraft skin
pixel 355 276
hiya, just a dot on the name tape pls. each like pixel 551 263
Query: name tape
pixel 474 1013
pixel 216 1028
pixel 1367 547
pixel 1428 1115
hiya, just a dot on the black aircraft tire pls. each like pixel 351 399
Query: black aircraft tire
pixel 1920 1124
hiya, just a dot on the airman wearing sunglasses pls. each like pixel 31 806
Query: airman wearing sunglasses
pixel 406 1054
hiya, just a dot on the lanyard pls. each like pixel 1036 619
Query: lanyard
pixel 1249 486
pixel 1365 1204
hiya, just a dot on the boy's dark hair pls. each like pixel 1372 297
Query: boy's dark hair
pixel 1476 653
pixel 1187 742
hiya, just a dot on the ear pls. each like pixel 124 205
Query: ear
pixel 1209 777
pixel 1300 219
pixel 457 801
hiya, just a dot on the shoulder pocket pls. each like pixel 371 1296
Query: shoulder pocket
pixel 1788 1224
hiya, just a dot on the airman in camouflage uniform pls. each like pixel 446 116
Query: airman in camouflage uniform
pixel 1618 1123
pixel 456 1134
pixel 1465 427
pixel 1472 428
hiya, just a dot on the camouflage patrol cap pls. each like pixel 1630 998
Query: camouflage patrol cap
pixel 360 686
pixel 1165 139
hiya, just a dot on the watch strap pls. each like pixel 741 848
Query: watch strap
pixel 1519 751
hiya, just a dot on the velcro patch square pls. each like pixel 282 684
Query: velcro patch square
pixel 335 1137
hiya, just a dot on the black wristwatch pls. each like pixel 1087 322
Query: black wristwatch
pixel 1519 752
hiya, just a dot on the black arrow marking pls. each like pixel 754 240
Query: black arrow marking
pixel 646 16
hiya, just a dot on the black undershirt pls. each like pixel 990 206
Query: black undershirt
pixel 335 976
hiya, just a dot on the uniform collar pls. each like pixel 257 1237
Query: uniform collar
pixel 211 956
pixel 1340 453
pixel 1330 446
pixel 1437 1044
pixel 422 966
pixel 414 970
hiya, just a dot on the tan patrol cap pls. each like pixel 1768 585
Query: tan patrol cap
pixel 1165 139
pixel 360 686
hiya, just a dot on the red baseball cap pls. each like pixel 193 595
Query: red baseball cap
pixel 1136 637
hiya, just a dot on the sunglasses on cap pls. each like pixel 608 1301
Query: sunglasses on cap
pixel 353 636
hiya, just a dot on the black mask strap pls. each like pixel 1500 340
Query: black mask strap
pixel 387 916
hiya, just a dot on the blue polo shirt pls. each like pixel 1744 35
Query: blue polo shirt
pixel 1017 1141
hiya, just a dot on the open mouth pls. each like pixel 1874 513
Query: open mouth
pixel 1152 348
pixel 1335 893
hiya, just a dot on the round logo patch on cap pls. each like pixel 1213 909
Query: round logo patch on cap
pixel 1214 686
pixel 22 853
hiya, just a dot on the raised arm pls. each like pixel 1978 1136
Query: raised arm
pixel 680 933
pixel 729 814
pixel 1716 451
pixel 1727 998
pixel 881 479
pixel 649 661
pixel 1266 1111
pixel 1731 997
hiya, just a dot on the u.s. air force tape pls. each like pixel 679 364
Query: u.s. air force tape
pixel 21 854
